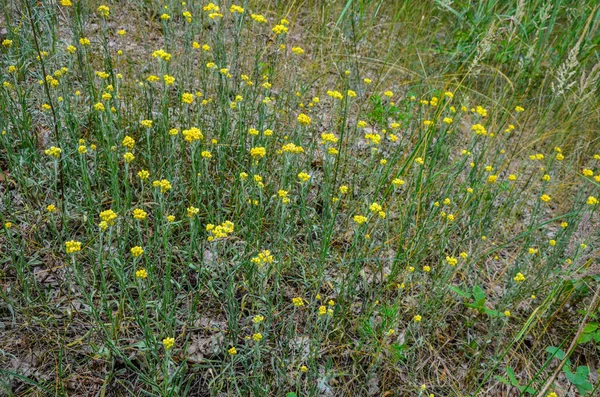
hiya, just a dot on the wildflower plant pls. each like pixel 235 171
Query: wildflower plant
pixel 246 198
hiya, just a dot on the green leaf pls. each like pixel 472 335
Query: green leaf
pixel 590 327
pixel 580 379
pixel 511 376
pixel 479 295
pixel 557 353
pixel 291 394
pixel 460 292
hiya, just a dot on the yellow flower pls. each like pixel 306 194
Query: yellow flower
pixel 128 157
pixel 128 142
pixel 258 319
pixel 146 123
pixel 322 310
pixel 417 318
pixel 257 337
pixel 298 302
pixel 258 18
pixel 492 178
pixel 53 151
pixel 232 351
pixel 519 278
pixel 187 97
pixel 170 218
pixel 51 208
pixel 9 225
pixel 163 184
pixel 452 261
pixel 360 219
pixel 507 313
pixel 72 246
pixel 139 214
pixel 169 80
pixel 141 273
pixel 121 32
pixel 168 343
pixel 84 41
pixel 519 109
pixel 192 134
pixel 304 368
pixel 587 172
pixel 479 129
pixel 375 207
pixel 66 3
pixel 545 198
pixel 103 10
pixel 303 176
pixel 343 189
pixel 297 50
pixel 591 200
pixel 143 174
pixel 206 154
pixel 303 119
pixel 388 94
pixel 257 152
pixel 397 182
pixel 109 216
pixel 236 9
pixel 279 29
pixel 137 251
pixel 191 211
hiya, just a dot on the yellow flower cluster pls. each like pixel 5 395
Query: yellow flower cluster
pixel 264 257
pixel 220 231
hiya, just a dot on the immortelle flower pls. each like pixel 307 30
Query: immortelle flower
pixel 128 157
pixel 191 211
pixel 188 98
pixel 258 319
pixel 298 302
pixel 128 142
pixel 141 273
pixel 53 151
pixel 257 337
pixel 360 219
pixel 51 208
pixel 108 216
pixel 258 152
pixel 232 351
pixel 303 176
pixel 591 200
pixel 417 318
pixel 72 246
pixel 143 174
pixel 163 184
pixel 137 251
pixel 519 278
pixel 103 10
pixel 303 119
pixel 139 214
pixel 168 343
